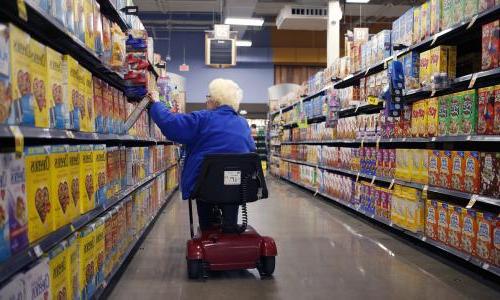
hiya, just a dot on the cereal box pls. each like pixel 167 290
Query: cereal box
pixel 15 288
pixel 432 116
pixel 435 14
pixel 496 241
pixel 490 45
pixel 484 241
pixel 458 170
pixel 486 110
pixel 455 226
pixel 74 181
pixel 40 209
pixel 468 111
pixel 87 181
pixel 37 281
pixel 438 60
pixel 425 67
pixel 489 173
pixel 434 167
pixel 408 27
pixel 88 11
pixel 472 172
pixel 448 15
pixel 4 213
pixel 106 106
pixel 99 250
pixel 99 153
pixel 22 106
pixel 469 231
pixel 455 116
pixel 443 222
pixel 38 71
pixel 415 118
pixel 15 193
pixel 452 61
pixel 469 8
pixel 425 21
pixel 87 269
pixel 71 90
pixel 422 115
pixel 445 169
pixel 60 181
pixel 496 119
pixel 5 88
pixel 417 23
pixel 89 101
pixel 431 219
pixel 73 267
pixel 443 115
pixel 97 86
pixel 58 10
pixel 58 108
pixel 79 19
pixel 81 99
pixel 58 270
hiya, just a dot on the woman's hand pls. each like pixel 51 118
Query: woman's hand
pixel 154 96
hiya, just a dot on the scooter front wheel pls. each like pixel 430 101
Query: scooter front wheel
pixel 195 268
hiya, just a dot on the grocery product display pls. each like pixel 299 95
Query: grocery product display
pixel 400 131
pixel 78 190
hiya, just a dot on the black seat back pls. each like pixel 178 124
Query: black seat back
pixel 230 179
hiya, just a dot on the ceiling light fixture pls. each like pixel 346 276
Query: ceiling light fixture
pixel 243 43
pixel 357 1
pixel 244 21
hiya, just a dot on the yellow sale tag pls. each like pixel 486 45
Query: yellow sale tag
pixel 18 138
pixel 21 9
pixel 372 100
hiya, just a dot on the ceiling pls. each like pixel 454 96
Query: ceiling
pixel 200 15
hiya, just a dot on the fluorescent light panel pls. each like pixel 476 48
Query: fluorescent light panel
pixel 243 43
pixel 357 1
pixel 244 21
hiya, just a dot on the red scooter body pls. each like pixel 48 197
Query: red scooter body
pixel 230 251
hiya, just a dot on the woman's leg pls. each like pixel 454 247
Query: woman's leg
pixel 229 217
pixel 204 214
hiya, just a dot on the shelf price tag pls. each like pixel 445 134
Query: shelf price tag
pixel 362 142
pixel 472 80
pixel 433 139
pixel 373 180
pixel 469 138
pixel 38 250
pixel 472 201
pixel 372 100
pixel 357 177
pixel 434 39
pixel 70 134
pixel 21 9
pixel 377 143
pixel 357 107
pixel 424 238
pixel 472 21
pixel 18 139
pixel 433 92
pixel 424 190
pixel 367 70
pixel 392 183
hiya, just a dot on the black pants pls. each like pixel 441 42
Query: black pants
pixel 207 218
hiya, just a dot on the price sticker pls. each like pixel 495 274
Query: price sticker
pixel 472 21
pixel 403 140
pixel 357 107
pixel 392 183
pixel 377 143
pixel 433 139
pixel 72 227
pixel 473 80
pixel 357 177
pixel 372 100
pixel 472 201
pixel 434 39
pixel 38 251
pixel 70 134
pixel 373 180
pixel 486 266
pixel 469 138
pixel 367 70
pixel 362 142
pixel 424 238
pixel 18 139
pixel 390 140
pixel 21 9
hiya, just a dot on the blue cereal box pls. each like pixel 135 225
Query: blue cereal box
pixel 4 213
pixel 411 69
pixel 408 27
pixel 384 44
pixel 395 31
pixel 58 8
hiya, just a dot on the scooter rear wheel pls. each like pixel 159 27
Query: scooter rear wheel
pixel 195 268
pixel 267 265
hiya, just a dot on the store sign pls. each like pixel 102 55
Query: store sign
pixel 184 68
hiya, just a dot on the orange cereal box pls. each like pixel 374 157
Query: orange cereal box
pixel 455 226
pixel 431 219
pixel 484 241
pixel 469 231
pixel 445 169
pixel 434 166
pixel 432 116
pixel 443 222
pixel 38 70
pixel 472 179
pixel 457 170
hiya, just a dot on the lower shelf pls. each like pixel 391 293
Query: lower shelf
pixel 469 258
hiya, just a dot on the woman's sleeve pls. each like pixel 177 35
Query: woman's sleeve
pixel 180 128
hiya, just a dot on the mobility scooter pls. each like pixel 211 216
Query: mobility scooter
pixel 229 179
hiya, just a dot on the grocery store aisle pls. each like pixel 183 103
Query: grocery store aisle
pixel 324 253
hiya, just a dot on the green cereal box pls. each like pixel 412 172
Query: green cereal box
pixel 443 115
pixel 469 8
pixel 436 13
pixel 448 14
pixel 468 110
pixel 458 16
pixel 455 116
pixel 416 24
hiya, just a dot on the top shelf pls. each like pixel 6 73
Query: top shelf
pixel 109 9
pixel 307 98
pixel 437 39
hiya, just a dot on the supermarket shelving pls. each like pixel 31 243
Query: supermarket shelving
pixel 454 33
pixel 109 9
pixel 103 290
pixel 418 236
pixel 28 256
pixel 435 189
pixel 375 140
pixel 307 98
pixel 50 32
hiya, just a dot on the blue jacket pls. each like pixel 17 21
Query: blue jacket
pixel 203 132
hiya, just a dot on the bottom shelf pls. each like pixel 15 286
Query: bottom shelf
pixel 103 289
pixel 469 258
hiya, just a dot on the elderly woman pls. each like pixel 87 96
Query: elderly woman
pixel 219 129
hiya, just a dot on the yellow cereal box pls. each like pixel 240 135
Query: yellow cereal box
pixel 452 61
pixel 425 70
pixel 89 101
pixel 99 153
pixel 416 24
pixel 86 250
pixel 415 118
pixel 73 267
pixel 22 106
pixel 99 250
pixel 432 116
pixel 60 180
pixel 74 181
pixel 58 272
pixel 71 88
pixel 89 23
pixel 87 182
pixel 439 60
pixel 58 108
pixel 40 210
pixel 38 71
pixel 422 124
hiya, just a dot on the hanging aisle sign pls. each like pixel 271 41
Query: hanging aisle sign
pixel 184 68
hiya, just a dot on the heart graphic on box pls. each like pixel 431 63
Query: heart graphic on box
pixel 89 186
pixel 75 191
pixel 42 203
pixel 62 295
pixel 63 195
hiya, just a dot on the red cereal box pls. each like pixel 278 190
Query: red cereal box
pixel 455 224
pixel 469 231
pixel 490 173
pixel 490 46
pixel 484 241
pixel 457 170
pixel 486 110
pixel 496 241
pixel 392 162
pixel 443 221
pixel 496 119
pixel 380 162
pixel 434 166
pixel 445 169
pixel 431 219
pixel 472 179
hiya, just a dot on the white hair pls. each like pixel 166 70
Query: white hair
pixel 225 92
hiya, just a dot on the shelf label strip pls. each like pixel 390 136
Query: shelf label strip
pixel 472 201
pixel 21 9
pixel 18 139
